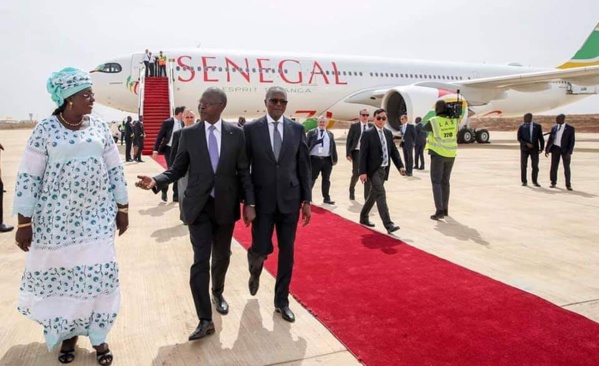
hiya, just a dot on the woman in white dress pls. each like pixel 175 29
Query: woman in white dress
pixel 71 196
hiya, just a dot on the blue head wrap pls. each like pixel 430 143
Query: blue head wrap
pixel 67 82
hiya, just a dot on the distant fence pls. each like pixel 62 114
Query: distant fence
pixel 12 125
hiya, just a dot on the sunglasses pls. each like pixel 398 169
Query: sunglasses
pixel 381 118
pixel 365 115
pixel 276 101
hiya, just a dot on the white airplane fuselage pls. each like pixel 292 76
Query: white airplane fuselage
pixel 315 84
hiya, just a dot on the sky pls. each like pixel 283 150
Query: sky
pixel 39 37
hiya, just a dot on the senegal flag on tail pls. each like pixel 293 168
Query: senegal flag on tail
pixel 588 54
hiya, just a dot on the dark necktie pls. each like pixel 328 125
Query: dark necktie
pixel 384 146
pixel 276 141
pixel 321 138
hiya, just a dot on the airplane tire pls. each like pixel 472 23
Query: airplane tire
pixel 483 136
pixel 466 136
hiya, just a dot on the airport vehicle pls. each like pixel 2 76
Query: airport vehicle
pixel 339 86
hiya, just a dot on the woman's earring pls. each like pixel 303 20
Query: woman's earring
pixel 70 105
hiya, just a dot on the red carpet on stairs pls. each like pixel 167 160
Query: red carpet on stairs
pixel 156 109
pixel 392 304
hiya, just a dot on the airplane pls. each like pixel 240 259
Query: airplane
pixel 339 86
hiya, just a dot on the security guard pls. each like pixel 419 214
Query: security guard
pixel 442 145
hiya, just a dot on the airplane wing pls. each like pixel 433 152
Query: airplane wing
pixel 483 90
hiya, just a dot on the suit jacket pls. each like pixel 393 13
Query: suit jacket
pixel 408 139
pixel 232 170
pixel 371 152
pixel 138 133
pixel 567 143
pixel 164 135
pixel 420 135
pixel 353 136
pixel 537 140
pixel 285 183
pixel 312 140
pixel 128 131
pixel 175 145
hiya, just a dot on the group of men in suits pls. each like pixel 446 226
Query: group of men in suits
pixel 266 166
pixel 560 144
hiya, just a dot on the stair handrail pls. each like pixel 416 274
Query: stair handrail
pixel 171 87
pixel 142 88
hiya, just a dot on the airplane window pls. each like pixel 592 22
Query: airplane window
pixel 178 68
pixel 376 74
pixel 199 68
pixel 220 69
pixel 285 71
pixel 326 72
pixel 226 69
pixel 360 74
pixel 253 70
pixel 111 68
pixel 233 69
pixel 370 74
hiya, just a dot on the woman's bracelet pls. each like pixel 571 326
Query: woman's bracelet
pixel 124 210
pixel 27 224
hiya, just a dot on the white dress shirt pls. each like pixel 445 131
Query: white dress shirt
pixel 558 135
pixel 362 129
pixel 322 149
pixel 176 127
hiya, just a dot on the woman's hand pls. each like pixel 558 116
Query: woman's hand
pixel 23 238
pixel 122 222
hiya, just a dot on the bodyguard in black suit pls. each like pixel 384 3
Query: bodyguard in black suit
pixel 280 168
pixel 530 136
pixel 213 154
pixel 352 152
pixel 560 145
pixel 164 142
pixel 408 139
pixel 128 138
pixel 139 136
pixel 376 153
pixel 323 155
pixel 419 145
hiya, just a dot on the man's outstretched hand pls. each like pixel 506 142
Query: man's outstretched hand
pixel 145 182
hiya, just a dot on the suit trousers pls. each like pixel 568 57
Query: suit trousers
pixel 440 175
pixel 419 156
pixel 1 201
pixel 556 154
pixel 140 147
pixel 262 246
pixel 377 194
pixel 169 163
pixel 534 159
pixel 408 157
pixel 128 143
pixel 324 165
pixel 208 237
pixel 355 177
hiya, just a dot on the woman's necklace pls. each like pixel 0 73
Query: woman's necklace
pixel 77 124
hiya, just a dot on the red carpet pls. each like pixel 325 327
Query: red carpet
pixel 392 304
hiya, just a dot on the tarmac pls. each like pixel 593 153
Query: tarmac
pixel 540 240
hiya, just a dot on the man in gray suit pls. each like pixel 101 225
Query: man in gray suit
pixel 213 154
pixel 280 168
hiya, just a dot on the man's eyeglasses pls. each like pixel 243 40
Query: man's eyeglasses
pixel 276 101
pixel 381 118
pixel 365 115
pixel 209 103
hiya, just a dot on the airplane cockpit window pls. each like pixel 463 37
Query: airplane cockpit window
pixel 110 68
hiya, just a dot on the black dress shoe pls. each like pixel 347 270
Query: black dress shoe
pixel 206 327
pixel 524 184
pixel 286 313
pixel 437 216
pixel 221 304
pixel 552 185
pixel 129 160
pixel 5 228
pixel 392 229
pixel 329 202
pixel 254 284
pixel 366 223
pixel 445 212
pixel 536 184
pixel 164 197
pixel 569 188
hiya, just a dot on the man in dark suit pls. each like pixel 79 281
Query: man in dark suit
pixel 213 154
pixel 408 139
pixel 530 136
pixel 352 152
pixel 561 145
pixel 164 142
pixel 128 138
pixel 139 135
pixel 280 168
pixel 189 119
pixel 377 150
pixel 323 155
pixel 241 122
pixel 419 145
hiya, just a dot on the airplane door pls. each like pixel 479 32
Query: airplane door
pixel 136 63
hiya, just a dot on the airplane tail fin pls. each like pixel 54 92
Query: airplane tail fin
pixel 588 54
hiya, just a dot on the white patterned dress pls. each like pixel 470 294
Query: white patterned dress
pixel 69 183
